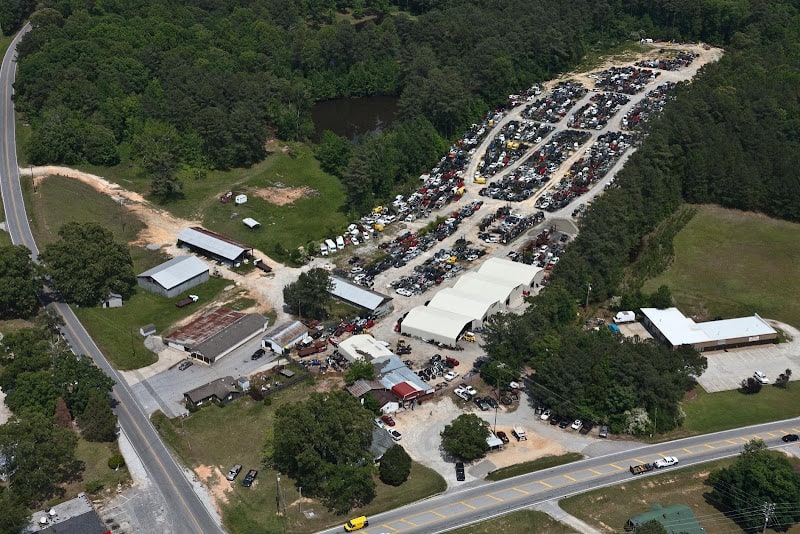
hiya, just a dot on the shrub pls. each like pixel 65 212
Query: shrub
pixel 93 486
pixel 116 461
pixel 395 466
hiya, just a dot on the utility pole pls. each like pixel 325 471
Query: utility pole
pixel 767 508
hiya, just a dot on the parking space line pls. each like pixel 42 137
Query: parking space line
pixel 770 434
pixel 498 499
pixel 710 446
pixel 390 528
pixel 569 477
pixel 618 468
pixel 733 442
pixel 434 512
pixel 688 451
pixel 595 471
pixel 409 522
pixel 545 484
pixel 467 505
pixel 521 491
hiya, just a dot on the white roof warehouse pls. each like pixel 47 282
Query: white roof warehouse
pixel 175 276
pixel 376 303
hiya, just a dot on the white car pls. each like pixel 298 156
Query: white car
pixel 545 415
pixel 666 461
pixel 378 422
pixel 397 436
pixel 461 393
pixel 450 376
pixel 576 424
pixel 471 391
pixel 761 377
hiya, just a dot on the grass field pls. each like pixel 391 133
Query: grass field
pixel 315 216
pixel 712 412
pixel 730 263
pixel 524 521
pixel 534 465
pixel 609 508
pixel 221 437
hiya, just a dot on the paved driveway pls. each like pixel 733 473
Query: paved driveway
pixel 727 368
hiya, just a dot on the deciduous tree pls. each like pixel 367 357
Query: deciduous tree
pixel 395 466
pixel 310 295
pixel 465 437
pixel 19 281
pixel 98 422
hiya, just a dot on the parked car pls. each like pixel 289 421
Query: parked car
pixel 397 436
pixel 249 478
pixel 257 354
pixel 185 365
pixel 460 476
pixel 502 436
pixel 491 402
pixel 789 437
pixel 603 432
pixel 761 377
pixel 586 428
pixel 545 415
pixel 564 423
pixel 576 424
pixel 387 419
pixel 234 472
pixel 555 419
pixel 378 422
pixel 471 391
pixel 451 376
pixel 461 393
pixel 481 403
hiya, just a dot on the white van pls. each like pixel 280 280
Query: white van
pixel 323 249
pixel 340 243
pixel 331 246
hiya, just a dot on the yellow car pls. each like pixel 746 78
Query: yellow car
pixel 356 524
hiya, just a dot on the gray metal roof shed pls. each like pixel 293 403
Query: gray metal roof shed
pixel 284 335
pixel 358 295
pixel 213 244
pixel 176 271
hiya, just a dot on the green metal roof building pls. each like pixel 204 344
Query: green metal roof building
pixel 676 518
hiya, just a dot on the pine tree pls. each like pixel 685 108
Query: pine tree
pixel 98 422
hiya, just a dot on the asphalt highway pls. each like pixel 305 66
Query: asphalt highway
pixel 184 511
pixel 479 503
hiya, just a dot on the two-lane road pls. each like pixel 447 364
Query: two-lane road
pixel 184 511
pixel 478 503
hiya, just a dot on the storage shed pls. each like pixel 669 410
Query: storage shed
pixel 175 276
pixel 214 246
pixel 371 301
pixel 434 324
pixel 670 326
pixel 505 269
pixel 476 306
pixel 284 336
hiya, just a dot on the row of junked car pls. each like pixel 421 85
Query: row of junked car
pixel 583 427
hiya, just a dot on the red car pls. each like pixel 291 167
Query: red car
pixel 387 419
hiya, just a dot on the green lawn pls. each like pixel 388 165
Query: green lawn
pixel 730 263
pixel 609 508
pixel 534 465
pixel 95 458
pixel 524 521
pixel 221 437
pixel 313 217
pixel 712 412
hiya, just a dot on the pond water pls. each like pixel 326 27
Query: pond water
pixel 351 117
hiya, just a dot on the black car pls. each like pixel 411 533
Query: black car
pixel 564 423
pixel 790 437
pixel 586 428
pixel 555 419
pixel 257 354
pixel 481 403
pixel 249 478
pixel 491 402
pixel 460 471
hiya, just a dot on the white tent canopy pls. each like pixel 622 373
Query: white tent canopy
pixel 476 306
pixel 435 324
pixel 504 269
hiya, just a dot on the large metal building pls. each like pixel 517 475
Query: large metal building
pixel 175 276
pixel 504 269
pixel 214 246
pixel 476 306
pixel 670 326
pixel 441 326
pixel 373 302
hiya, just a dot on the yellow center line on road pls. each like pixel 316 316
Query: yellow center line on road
pixel 595 471
pixel 688 451
pixel 521 491
pixel 710 446
pixel 434 512
pixel 390 528
pixel 734 442
pixel 409 522
pixel 545 484
pixel 618 468
pixel 467 505
pixel 498 499
pixel 570 478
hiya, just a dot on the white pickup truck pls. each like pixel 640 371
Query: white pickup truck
pixel 666 461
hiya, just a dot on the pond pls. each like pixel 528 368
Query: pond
pixel 351 117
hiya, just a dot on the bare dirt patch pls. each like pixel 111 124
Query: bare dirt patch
pixel 216 483
pixel 281 196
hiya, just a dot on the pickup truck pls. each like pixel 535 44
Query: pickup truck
pixel 666 461
pixel 188 300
